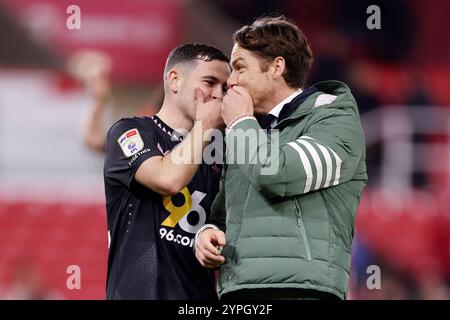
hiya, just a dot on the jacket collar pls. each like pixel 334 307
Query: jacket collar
pixel 291 107
pixel 277 109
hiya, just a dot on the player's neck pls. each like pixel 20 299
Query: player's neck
pixel 176 120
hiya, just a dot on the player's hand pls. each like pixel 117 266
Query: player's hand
pixel 209 111
pixel 206 248
pixel 100 86
pixel 236 103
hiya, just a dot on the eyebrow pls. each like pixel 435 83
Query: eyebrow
pixel 216 80
pixel 212 78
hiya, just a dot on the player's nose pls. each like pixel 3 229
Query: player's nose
pixel 218 92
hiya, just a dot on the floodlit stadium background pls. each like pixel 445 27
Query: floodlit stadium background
pixel 52 211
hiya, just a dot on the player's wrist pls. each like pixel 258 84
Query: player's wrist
pixel 203 228
pixel 101 101
pixel 203 125
pixel 199 131
pixel 206 129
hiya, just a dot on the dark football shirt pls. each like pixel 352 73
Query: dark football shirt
pixel 151 236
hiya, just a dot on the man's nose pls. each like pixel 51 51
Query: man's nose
pixel 232 80
pixel 218 92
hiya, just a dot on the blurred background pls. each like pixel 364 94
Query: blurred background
pixel 61 89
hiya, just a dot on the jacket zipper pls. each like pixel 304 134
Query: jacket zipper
pixel 301 226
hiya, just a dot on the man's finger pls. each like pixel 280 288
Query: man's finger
pixel 212 258
pixel 208 263
pixel 231 93
pixel 225 100
pixel 240 90
pixel 212 263
pixel 199 97
pixel 208 246
pixel 219 238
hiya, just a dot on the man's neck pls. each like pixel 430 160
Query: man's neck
pixel 278 96
pixel 172 117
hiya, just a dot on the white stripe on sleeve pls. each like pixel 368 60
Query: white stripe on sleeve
pixel 329 164
pixel 338 167
pixel 306 165
pixel 328 161
pixel 316 159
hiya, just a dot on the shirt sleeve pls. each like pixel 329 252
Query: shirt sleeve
pixel 128 145
pixel 327 154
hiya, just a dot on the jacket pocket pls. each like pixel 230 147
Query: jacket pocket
pixel 301 226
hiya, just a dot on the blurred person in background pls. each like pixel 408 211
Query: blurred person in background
pixel 433 287
pixel 94 131
pixel 154 204
pixel 93 68
pixel 27 283
pixel 288 234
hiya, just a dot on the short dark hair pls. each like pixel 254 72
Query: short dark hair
pixel 271 37
pixel 191 52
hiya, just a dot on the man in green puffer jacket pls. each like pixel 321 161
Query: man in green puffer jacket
pixel 289 195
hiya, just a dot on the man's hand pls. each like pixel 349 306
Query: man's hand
pixel 100 86
pixel 206 250
pixel 236 103
pixel 208 112
pixel 94 134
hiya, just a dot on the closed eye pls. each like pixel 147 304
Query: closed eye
pixel 239 68
pixel 237 64
pixel 210 81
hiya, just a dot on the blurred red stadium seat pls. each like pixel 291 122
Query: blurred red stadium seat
pixel 55 236
pixel 413 236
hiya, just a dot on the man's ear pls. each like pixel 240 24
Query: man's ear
pixel 278 67
pixel 174 80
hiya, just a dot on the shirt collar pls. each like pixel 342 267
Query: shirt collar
pixel 277 109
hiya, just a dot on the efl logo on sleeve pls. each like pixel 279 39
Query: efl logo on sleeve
pixel 131 142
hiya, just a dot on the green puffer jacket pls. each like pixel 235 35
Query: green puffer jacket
pixel 290 207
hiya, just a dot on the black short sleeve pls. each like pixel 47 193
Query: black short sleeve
pixel 129 143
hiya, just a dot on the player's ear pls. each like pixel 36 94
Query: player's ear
pixel 174 80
